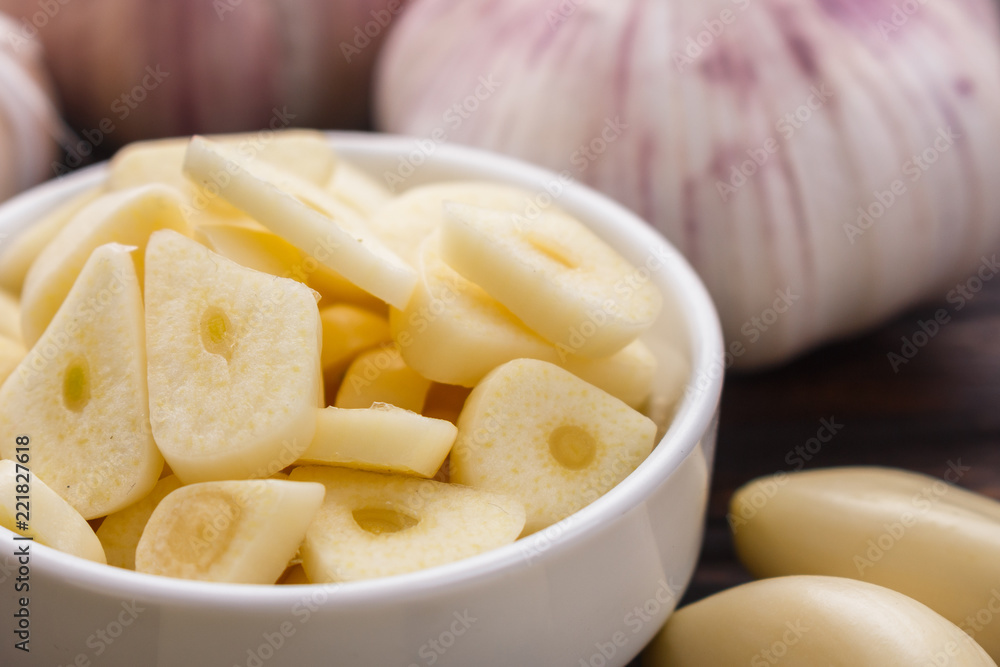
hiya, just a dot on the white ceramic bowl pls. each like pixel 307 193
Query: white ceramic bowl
pixel 591 590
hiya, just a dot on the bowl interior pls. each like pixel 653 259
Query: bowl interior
pixel 688 323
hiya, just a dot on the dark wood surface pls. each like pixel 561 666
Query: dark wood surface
pixel 942 405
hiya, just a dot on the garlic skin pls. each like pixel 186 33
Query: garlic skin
pixel 155 68
pixel 752 133
pixel 29 121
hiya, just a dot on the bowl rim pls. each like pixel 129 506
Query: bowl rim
pixel 693 418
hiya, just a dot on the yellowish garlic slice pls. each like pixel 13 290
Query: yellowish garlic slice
pixel 80 392
pixel 242 532
pixel 50 519
pixel 375 525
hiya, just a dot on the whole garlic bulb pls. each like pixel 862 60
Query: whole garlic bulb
pixel 135 69
pixel 823 164
pixel 29 122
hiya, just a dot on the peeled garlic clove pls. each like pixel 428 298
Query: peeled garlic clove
pixel 823 165
pixel 554 274
pixel 806 621
pixel 932 541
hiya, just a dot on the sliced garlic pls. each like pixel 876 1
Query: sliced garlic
pixel 51 520
pixel 535 432
pixel 554 274
pixel 126 217
pixel 81 392
pixel 381 438
pixel 234 363
pixel 374 525
pixel 242 532
pixel 334 234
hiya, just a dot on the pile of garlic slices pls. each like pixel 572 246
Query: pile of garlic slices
pixel 823 164
pixel 241 352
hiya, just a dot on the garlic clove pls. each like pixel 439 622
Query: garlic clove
pixel 809 620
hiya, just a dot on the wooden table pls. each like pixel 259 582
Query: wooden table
pixel 942 405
